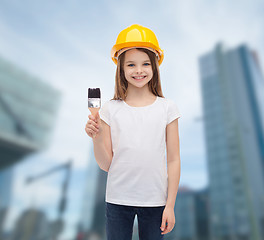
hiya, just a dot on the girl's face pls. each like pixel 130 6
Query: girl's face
pixel 137 68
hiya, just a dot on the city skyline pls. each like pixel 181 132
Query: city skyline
pixel 50 42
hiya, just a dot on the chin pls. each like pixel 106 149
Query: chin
pixel 139 85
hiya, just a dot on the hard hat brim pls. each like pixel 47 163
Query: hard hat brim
pixel 118 47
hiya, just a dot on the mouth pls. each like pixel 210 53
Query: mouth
pixel 138 78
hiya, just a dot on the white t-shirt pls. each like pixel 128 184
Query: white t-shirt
pixel 138 173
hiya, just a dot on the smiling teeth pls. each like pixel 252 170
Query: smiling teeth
pixel 139 77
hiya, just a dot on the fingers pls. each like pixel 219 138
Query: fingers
pixel 92 127
pixel 91 130
pixel 163 224
pixel 167 224
pixel 168 228
pixel 95 118
pixel 92 117
pixel 91 133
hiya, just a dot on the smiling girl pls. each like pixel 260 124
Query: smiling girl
pixel 133 131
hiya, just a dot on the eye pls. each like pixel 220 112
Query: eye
pixel 130 65
pixel 146 64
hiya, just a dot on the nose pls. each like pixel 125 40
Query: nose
pixel 138 70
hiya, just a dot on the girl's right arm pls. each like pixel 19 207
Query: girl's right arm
pixel 102 141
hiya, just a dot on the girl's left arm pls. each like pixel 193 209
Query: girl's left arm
pixel 173 169
pixel 173 161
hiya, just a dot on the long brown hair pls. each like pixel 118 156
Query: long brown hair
pixel 121 83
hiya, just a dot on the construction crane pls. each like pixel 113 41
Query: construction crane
pixel 58 224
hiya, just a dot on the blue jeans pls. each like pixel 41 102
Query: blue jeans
pixel 120 222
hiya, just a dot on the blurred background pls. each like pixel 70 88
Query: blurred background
pixel 52 51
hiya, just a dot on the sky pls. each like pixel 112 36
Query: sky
pixel 67 45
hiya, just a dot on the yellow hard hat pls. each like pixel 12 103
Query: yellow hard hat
pixel 136 36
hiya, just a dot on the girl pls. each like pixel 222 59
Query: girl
pixel 132 132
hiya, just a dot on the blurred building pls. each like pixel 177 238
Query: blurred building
pixel 202 208
pixel 32 224
pixel 28 108
pixel 6 180
pixel 93 211
pixel 185 218
pixel 232 93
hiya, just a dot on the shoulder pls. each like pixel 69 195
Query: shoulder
pixel 172 110
pixel 107 110
pixel 167 102
pixel 111 102
pixel 110 105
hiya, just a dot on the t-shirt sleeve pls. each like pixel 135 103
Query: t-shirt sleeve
pixel 105 112
pixel 173 111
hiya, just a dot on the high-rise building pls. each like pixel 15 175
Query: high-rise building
pixel 202 208
pixel 28 108
pixel 31 224
pixel 93 210
pixel 6 179
pixel 185 219
pixel 232 93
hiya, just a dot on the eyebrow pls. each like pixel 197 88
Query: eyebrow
pixel 143 61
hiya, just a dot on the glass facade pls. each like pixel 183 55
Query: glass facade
pixel 234 141
pixel 6 187
pixel 93 210
pixel 28 109
pixel 185 216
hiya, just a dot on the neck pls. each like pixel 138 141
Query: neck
pixel 139 93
